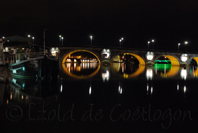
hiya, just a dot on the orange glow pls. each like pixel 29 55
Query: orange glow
pixel 195 73
pixel 82 76
pixel 136 73
pixel 172 72
pixel 68 55
pixel 174 61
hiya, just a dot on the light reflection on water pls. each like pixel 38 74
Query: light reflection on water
pixel 104 86
pixel 26 89
pixel 89 70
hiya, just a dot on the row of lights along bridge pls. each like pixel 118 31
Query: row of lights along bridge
pixel 186 42
pixel 120 40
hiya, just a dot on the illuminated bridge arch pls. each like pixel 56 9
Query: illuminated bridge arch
pixel 140 59
pixel 195 58
pixel 79 76
pixel 195 72
pixel 79 50
pixel 174 61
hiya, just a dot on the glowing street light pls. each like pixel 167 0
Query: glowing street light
pixel 186 43
pixel 178 46
pixel 148 44
pixel 153 42
pixel 29 36
pixel 33 39
pixel 62 40
pixel 120 40
pixel 91 38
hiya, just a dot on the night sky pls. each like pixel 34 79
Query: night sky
pixel 138 21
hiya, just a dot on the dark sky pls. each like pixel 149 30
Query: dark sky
pixel 166 21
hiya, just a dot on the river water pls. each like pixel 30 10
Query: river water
pixel 88 97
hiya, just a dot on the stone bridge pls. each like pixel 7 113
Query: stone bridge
pixel 143 56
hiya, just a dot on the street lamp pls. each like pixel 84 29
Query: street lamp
pixel 153 42
pixel 148 44
pixel 120 42
pixel 186 42
pixel 91 37
pixel 33 39
pixel 178 46
pixel 62 40
pixel 29 36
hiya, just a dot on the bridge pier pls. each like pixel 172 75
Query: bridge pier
pixel 48 69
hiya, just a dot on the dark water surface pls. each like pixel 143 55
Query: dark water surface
pixel 92 98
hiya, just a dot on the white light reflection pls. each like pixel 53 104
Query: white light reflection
pixel 149 73
pixel 184 89
pixel 105 76
pixel 119 89
pixel 61 88
pixel 183 74
pixel 147 88
pixel 90 90
pixel 152 90
pixel 177 87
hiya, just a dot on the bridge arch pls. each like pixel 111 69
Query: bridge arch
pixel 195 58
pixel 140 59
pixel 174 60
pixel 79 76
pixel 79 50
